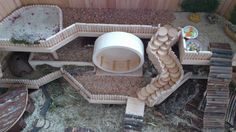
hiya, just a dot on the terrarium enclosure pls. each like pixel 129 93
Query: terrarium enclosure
pixel 114 52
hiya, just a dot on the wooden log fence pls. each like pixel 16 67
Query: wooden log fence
pixel 93 98
pixel 70 33
pixel 33 84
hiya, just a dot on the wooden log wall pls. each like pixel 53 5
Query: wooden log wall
pixel 226 7
pixel 7 6
pixel 117 4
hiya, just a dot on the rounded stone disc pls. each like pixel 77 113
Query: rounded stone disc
pixel 161 52
pixel 172 32
pixel 162 31
pixel 157 43
pixel 162 38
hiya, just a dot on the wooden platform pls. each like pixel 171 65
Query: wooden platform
pixel 217 88
pixel 133 119
pixel 12 106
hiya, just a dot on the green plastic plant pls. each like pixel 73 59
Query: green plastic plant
pixel 233 16
pixel 22 41
pixel 200 5
pixel 19 41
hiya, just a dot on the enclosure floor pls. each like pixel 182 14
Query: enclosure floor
pixel 77 50
pixel 114 85
pixel 117 16
pixel 34 23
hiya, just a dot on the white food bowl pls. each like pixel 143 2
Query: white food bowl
pixel 194 34
pixel 118 52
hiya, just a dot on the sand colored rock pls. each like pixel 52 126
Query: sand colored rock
pixel 172 32
pixel 162 38
pixel 162 32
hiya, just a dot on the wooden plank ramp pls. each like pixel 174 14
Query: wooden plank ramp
pixel 13 104
pixel 133 119
pixel 217 96
pixel 231 111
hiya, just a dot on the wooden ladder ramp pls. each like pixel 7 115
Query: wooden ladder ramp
pixel 217 87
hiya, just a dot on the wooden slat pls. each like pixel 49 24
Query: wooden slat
pixel 224 7
pixel 13 105
pixel 7 7
pixel 18 3
pixel 117 4
pixel 217 89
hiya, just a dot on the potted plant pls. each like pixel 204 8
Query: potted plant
pixel 196 6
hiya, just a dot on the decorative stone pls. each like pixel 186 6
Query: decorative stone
pixel 167 26
pixel 162 31
pixel 164 47
pixel 162 82
pixel 175 75
pixel 169 43
pixel 144 93
pixel 162 38
pixel 150 100
pixel 173 70
pixel 166 79
pixel 165 75
pixel 157 84
pixel 150 88
pixel 167 57
pixel 175 79
pixel 162 53
pixel 168 62
pixel 158 93
pixel 172 65
pixel 154 96
pixel 141 97
pixel 171 83
pixel 167 87
pixel 172 33
pixel 152 46
pixel 157 43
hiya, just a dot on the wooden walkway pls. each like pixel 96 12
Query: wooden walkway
pixel 217 88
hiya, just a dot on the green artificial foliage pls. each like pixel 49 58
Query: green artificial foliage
pixel 200 5
pixel 17 41
pixel 233 16
pixel 22 41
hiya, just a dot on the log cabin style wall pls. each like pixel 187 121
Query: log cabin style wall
pixel 7 6
pixel 226 7
pixel 116 4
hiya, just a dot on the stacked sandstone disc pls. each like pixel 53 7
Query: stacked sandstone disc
pixel 164 60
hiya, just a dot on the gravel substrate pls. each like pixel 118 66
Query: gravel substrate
pixel 120 85
pixel 116 16
pixel 32 24
pixel 80 49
